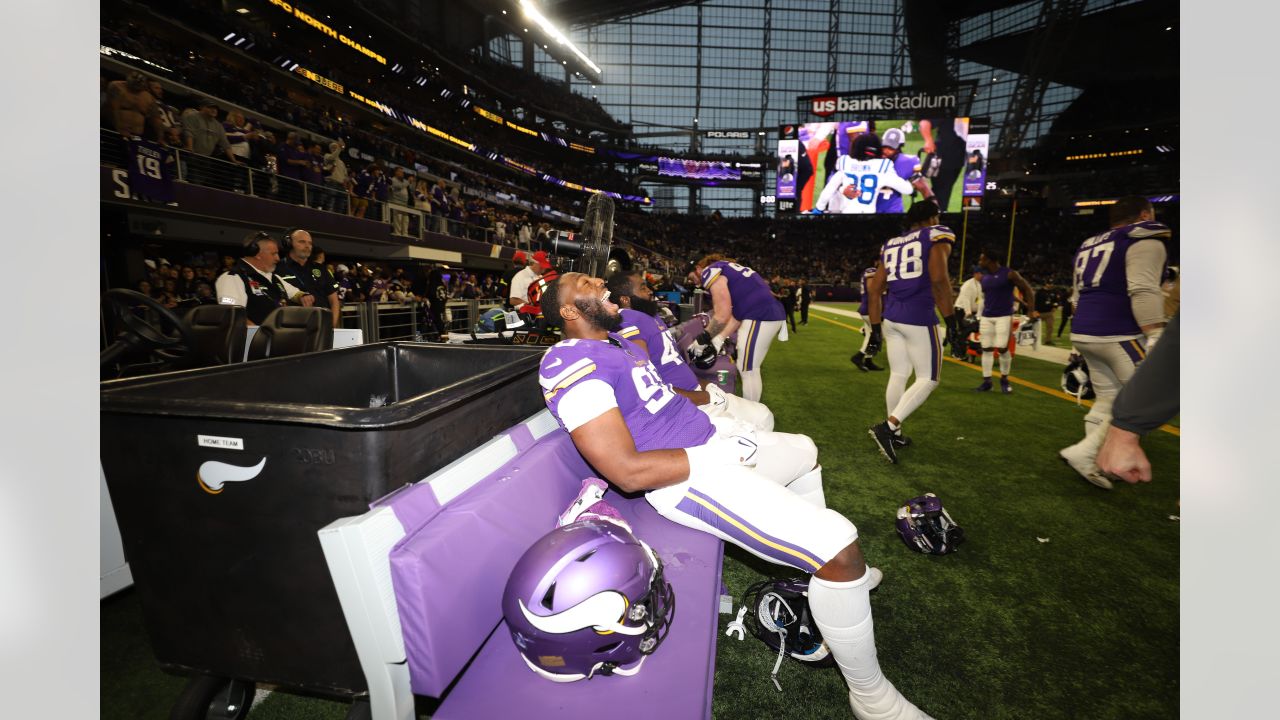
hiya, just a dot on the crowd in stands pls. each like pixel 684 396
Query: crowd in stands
pixel 833 251
pixel 307 135
pixel 191 281
pixel 364 145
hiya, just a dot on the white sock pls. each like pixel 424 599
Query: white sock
pixel 988 360
pixel 842 611
pixel 913 398
pixel 752 384
pixel 1006 363
pixel 809 487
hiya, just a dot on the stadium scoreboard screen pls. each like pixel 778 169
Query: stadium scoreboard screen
pixel 816 173
pixel 929 145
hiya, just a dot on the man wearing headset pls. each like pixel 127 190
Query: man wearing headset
pixel 297 269
pixel 253 284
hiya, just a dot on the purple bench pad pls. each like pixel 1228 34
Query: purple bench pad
pixel 675 682
pixel 449 572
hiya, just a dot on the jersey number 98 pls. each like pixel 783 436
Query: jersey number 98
pixel 904 262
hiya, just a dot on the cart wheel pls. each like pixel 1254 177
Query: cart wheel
pixel 360 710
pixel 213 698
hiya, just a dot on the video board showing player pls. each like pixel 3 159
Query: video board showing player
pixel 816 173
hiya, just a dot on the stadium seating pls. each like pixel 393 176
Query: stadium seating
pixel 292 331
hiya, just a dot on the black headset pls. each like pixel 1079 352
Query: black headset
pixel 286 244
pixel 250 247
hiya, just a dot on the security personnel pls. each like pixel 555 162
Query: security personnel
pixel 312 278
pixel 252 283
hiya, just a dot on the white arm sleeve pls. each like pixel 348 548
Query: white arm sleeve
pixel 833 184
pixel 585 402
pixel 1143 266
pixel 290 289
pixel 893 180
pixel 230 290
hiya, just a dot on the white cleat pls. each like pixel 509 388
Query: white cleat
pixel 874 576
pixel 1075 456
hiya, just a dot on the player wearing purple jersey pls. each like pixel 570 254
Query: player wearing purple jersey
pixel 910 281
pixel 761 491
pixel 860 359
pixel 743 304
pixel 906 166
pixel 641 326
pixel 1119 315
pixel 998 283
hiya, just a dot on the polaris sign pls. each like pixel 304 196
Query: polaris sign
pixel 827 105
pixel 731 134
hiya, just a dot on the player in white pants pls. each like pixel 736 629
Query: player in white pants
pixel 743 303
pixel 912 349
pixel 998 283
pixel 760 491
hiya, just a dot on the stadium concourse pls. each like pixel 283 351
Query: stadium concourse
pixel 439 175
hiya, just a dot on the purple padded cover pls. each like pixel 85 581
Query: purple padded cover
pixel 449 573
pixel 674 683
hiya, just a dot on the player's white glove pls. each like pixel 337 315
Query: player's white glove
pixel 718 404
pixel 735 448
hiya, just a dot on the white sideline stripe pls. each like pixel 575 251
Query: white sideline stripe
pixel 460 475
pixel 1058 355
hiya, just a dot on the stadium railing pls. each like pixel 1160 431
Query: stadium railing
pixel 380 322
pixel 233 177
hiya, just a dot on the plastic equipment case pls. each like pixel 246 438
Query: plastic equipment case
pixel 221 477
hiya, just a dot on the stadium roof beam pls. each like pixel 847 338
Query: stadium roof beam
pixel 596 12
pixel 1052 38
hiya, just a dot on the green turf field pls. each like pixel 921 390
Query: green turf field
pixel 1083 625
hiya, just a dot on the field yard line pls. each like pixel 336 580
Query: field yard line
pixel 1017 380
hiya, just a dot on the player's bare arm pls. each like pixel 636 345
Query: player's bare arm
pixel 875 294
pixel 607 444
pixel 722 323
pixel 1028 295
pixel 939 280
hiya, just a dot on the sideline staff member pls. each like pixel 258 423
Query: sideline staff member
pixel 298 270
pixel 253 284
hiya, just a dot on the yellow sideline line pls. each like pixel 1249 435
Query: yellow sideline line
pixel 1017 380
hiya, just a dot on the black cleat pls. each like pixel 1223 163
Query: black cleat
pixel 868 365
pixel 985 386
pixel 857 359
pixel 1005 386
pixel 900 440
pixel 884 440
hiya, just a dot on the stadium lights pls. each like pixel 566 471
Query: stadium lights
pixel 531 11
pixel 245 11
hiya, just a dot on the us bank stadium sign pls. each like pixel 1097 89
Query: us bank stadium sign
pixel 947 102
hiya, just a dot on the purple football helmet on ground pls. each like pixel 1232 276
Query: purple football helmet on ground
pixel 587 598
pixel 926 527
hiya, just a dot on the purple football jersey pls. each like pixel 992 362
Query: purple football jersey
pixel 862 287
pixel 749 292
pixel 1103 308
pixel 582 379
pixel 150 170
pixel 890 200
pixel 906 263
pixel 663 352
pixel 997 293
